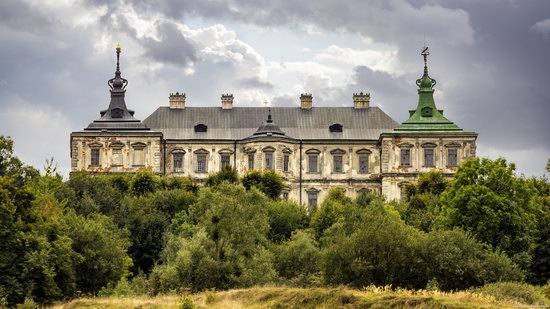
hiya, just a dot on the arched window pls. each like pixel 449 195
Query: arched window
pixel 201 128
pixel 336 128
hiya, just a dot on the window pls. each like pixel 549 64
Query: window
pixel 201 128
pixel 336 128
pixel 250 160
pixel 405 157
pixel 201 163
pixel 138 156
pixel 452 157
pixel 286 161
pixel 363 164
pixel 338 164
pixel 178 162
pixel 285 195
pixel 313 163
pixel 94 157
pixel 311 201
pixel 116 157
pixel 428 157
pixel 225 160
pixel 269 160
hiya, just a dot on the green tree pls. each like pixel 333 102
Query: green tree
pixel 284 218
pixel 335 207
pixel 500 209
pixel 269 182
pixel 102 246
pixel 227 174
pixel 540 268
pixel 224 245
pixel 145 181
pixel 298 258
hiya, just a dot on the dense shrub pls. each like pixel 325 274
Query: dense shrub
pixel 269 182
pixel 226 174
pixel 298 258
pixel 284 218
pixel 516 291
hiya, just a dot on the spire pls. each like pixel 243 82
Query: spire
pixel 426 116
pixel 269 119
pixel 117 112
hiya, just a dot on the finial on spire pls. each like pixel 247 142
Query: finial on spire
pixel 269 119
pixel 118 51
pixel 425 52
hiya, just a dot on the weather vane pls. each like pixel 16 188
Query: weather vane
pixel 425 52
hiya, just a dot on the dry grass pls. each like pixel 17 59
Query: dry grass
pixel 286 297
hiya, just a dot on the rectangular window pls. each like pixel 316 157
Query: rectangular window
pixel 285 196
pixel 251 161
pixel 178 162
pixel 225 159
pixel 311 201
pixel 405 157
pixel 312 163
pixel 269 160
pixel 95 157
pixel 286 161
pixel 139 156
pixel 452 157
pixel 338 164
pixel 428 157
pixel 116 158
pixel 201 163
pixel 363 164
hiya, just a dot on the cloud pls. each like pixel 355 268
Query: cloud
pixel 254 82
pixel 172 47
pixel 542 26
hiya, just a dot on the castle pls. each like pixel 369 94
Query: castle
pixel 358 148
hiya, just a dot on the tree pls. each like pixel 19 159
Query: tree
pixel 145 181
pixel 269 182
pixel 227 174
pixel 224 245
pixel 298 258
pixel 500 209
pixel 102 246
pixel 335 207
pixel 284 218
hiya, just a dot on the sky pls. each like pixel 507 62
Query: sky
pixel 491 60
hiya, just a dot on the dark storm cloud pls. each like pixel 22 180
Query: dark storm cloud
pixel 254 83
pixel 172 48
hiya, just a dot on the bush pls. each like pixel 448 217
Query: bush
pixel 298 258
pixel 145 182
pixel 516 291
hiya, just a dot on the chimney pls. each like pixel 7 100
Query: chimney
pixel 306 101
pixel 227 101
pixel 361 100
pixel 177 100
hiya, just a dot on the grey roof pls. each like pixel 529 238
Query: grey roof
pixel 241 122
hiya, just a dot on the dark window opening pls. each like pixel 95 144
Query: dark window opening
pixel 178 162
pixel 336 128
pixel 452 157
pixel 312 163
pixel 201 128
pixel 363 164
pixel 269 160
pixel 405 157
pixel 311 201
pixel 286 161
pixel 429 157
pixel 251 161
pixel 226 159
pixel 201 163
pixel 338 164
pixel 95 157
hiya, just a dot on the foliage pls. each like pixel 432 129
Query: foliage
pixel 227 174
pixel 298 258
pixel 488 200
pixel 540 267
pixel 521 292
pixel 284 218
pixel 269 182
pixel 145 181
pixel 336 206
pixel 102 246
pixel 224 246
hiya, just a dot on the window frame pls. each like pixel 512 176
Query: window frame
pixel 455 149
pixel 312 193
pixel 117 158
pixel 199 155
pixel 313 153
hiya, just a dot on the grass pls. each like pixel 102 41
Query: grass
pixel 287 297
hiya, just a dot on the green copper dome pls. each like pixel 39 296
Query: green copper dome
pixel 426 117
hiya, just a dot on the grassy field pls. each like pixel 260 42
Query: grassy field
pixel 286 297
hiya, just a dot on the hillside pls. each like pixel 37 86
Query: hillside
pixel 285 297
